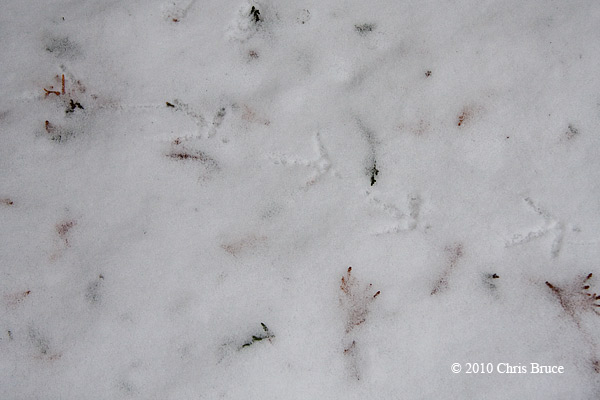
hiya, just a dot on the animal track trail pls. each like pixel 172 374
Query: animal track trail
pixel 404 221
pixel 204 129
pixel 552 226
pixel 321 164
pixel 73 92
pixel 68 92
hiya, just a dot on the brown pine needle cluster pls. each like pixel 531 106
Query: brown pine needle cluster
pixel 577 298
pixel 355 301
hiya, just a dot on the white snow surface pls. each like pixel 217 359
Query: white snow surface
pixel 207 169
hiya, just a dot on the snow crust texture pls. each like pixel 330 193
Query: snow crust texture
pixel 294 200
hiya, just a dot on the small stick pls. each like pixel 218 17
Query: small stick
pixel 63 83
pixel 51 92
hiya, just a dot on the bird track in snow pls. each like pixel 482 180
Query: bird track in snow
pixel 404 221
pixel 551 226
pixel 321 164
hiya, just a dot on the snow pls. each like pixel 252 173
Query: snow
pixel 203 173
